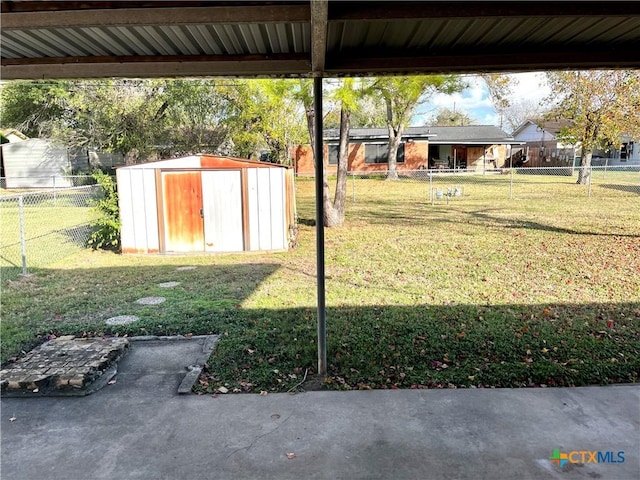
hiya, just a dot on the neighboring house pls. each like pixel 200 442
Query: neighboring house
pixel 627 154
pixel 542 148
pixel 473 147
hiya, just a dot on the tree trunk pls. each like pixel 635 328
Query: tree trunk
pixel 131 157
pixel 340 198
pixel 585 168
pixel 392 171
pixel 330 218
pixel 395 136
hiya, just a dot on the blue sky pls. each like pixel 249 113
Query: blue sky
pixel 475 100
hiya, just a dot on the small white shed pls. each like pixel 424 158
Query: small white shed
pixel 206 204
pixel 35 163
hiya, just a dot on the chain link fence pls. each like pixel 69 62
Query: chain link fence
pixel 441 186
pixel 39 228
pixel 10 184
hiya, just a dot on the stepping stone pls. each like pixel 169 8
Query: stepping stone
pixel 180 269
pixel 168 284
pixel 150 300
pixel 121 320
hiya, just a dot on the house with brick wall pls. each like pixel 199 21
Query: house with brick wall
pixel 470 147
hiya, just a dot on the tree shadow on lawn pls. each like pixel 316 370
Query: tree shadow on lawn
pixel 400 212
pixel 622 188
pixel 369 346
pixel 403 213
pixel 494 220
pixel 78 301
pixel 433 346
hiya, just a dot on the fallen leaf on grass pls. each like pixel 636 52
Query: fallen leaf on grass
pixel 223 389
pixel 263 393
pixel 291 455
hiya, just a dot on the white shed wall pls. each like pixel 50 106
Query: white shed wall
pixel 35 163
pixel 138 210
pixel 222 211
pixel 267 224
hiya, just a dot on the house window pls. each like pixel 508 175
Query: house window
pixel 333 151
pixel 378 153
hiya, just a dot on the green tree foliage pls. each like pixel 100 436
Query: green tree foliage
pixel 37 109
pixel 132 117
pixel 400 96
pixel 106 227
pixel 601 106
pixel 119 116
pixel 266 114
pixel 197 113
pixel 447 118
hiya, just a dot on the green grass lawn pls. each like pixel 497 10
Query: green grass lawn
pixel 54 225
pixel 483 291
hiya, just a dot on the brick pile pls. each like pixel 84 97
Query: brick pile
pixel 63 366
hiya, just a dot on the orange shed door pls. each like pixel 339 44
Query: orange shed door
pixel 183 222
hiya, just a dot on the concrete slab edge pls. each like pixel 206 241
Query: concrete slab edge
pixel 194 370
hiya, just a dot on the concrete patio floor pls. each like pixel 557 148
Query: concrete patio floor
pixel 141 428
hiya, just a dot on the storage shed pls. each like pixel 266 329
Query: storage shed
pixel 35 163
pixel 206 204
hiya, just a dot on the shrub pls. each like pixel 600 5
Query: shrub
pixel 106 228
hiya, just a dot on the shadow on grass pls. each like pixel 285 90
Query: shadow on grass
pixel 622 188
pixel 76 235
pixel 370 346
pixel 427 346
pixel 405 213
pixel 79 301
pixel 511 223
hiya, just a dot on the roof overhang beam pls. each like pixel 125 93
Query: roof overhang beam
pixel 157 66
pixel 361 64
pixel 120 17
pixel 399 10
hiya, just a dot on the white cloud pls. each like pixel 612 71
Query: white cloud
pixel 475 100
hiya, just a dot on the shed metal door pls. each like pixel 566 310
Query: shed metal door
pixel 182 200
pixel 222 206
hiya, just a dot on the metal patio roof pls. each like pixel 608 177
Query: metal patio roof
pixel 75 39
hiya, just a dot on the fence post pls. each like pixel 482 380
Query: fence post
pixel 23 244
pixel 430 186
pixel 589 181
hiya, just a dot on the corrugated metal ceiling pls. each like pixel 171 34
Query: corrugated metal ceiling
pixel 67 39
pixel 227 39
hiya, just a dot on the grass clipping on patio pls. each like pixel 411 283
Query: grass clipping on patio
pixel 481 292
